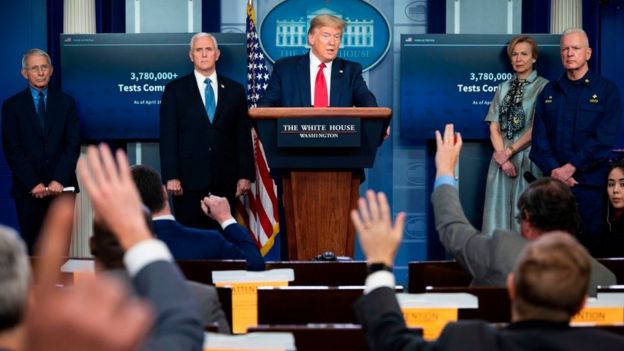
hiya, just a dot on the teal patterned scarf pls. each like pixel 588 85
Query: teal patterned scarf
pixel 511 116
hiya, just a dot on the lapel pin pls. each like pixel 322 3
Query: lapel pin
pixel 341 71
pixel 222 86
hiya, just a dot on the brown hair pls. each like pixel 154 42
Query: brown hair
pixel 326 21
pixel 551 278
pixel 523 39
pixel 549 205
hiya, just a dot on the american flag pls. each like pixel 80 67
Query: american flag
pixel 258 209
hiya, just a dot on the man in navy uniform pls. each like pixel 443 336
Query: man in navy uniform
pixel 577 120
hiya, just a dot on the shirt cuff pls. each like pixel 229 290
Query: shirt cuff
pixel 144 253
pixel 444 179
pixel 379 279
pixel 227 222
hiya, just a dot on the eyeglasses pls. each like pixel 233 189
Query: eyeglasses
pixel 42 68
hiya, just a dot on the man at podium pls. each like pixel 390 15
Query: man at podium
pixel 318 78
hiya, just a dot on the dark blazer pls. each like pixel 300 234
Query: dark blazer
pixel 37 155
pixel 187 243
pixel 488 259
pixel 289 85
pixel 385 329
pixel 205 295
pixel 584 139
pixel 178 325
pixel 209 305
pixel 204 155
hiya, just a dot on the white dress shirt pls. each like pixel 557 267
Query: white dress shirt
pixel 202 86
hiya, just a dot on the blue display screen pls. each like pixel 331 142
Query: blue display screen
pixel 452 78
pixel 117 80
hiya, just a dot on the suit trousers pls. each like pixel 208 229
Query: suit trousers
pixel 30 214
pixel 187 210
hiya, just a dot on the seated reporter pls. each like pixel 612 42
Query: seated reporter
pixel 97 314
pixel 117 204
pixel 547 287
pixel 109 254
pixel 186 243
pixel 546 205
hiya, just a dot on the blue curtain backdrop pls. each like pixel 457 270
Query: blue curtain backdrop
pixel 535 16
pixel 23 26
pixel 38 23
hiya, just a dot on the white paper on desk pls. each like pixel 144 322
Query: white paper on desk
pixel 250 341
pixel 606 299
pixel 438 300
pixel 82 266
pixel 272 275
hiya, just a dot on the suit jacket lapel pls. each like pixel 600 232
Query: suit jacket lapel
pixel 222 88
pixel 303 71
pixel 196 96
pixel 337 82
pixel 51 111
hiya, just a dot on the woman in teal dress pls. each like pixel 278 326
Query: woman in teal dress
pixel 511 122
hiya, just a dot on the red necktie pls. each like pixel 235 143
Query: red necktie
pixel 320 89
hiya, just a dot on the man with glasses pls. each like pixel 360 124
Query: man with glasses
pixel 318 78
pixel 546 205
pixel 41 142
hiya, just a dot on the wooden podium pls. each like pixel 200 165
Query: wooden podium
pixel 321 170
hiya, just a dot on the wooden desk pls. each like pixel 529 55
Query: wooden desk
pixel 225 297
pixel 494 304
pixel 303 305
pixel 201 270
pixel 436 274
pixel 332 273
pixel 615 265
pixel 327 337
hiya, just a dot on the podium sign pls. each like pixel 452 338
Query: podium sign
pixel 318 132
pixel 320 180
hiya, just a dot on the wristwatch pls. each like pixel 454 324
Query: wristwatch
pixel 377 266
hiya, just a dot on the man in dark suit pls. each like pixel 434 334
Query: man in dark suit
pixel 295 79
pixel 546 205
pixel 188 243
pixel 108 253
pixel 547 287
pixel 205 136
pixel 97 315
pixel 41 140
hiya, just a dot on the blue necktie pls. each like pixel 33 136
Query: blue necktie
pixel 210 100
pixel 41 109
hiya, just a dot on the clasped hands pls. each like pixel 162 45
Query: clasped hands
pixel 40 190
pixel 174 187
pixel 502 158
pixel 564 174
